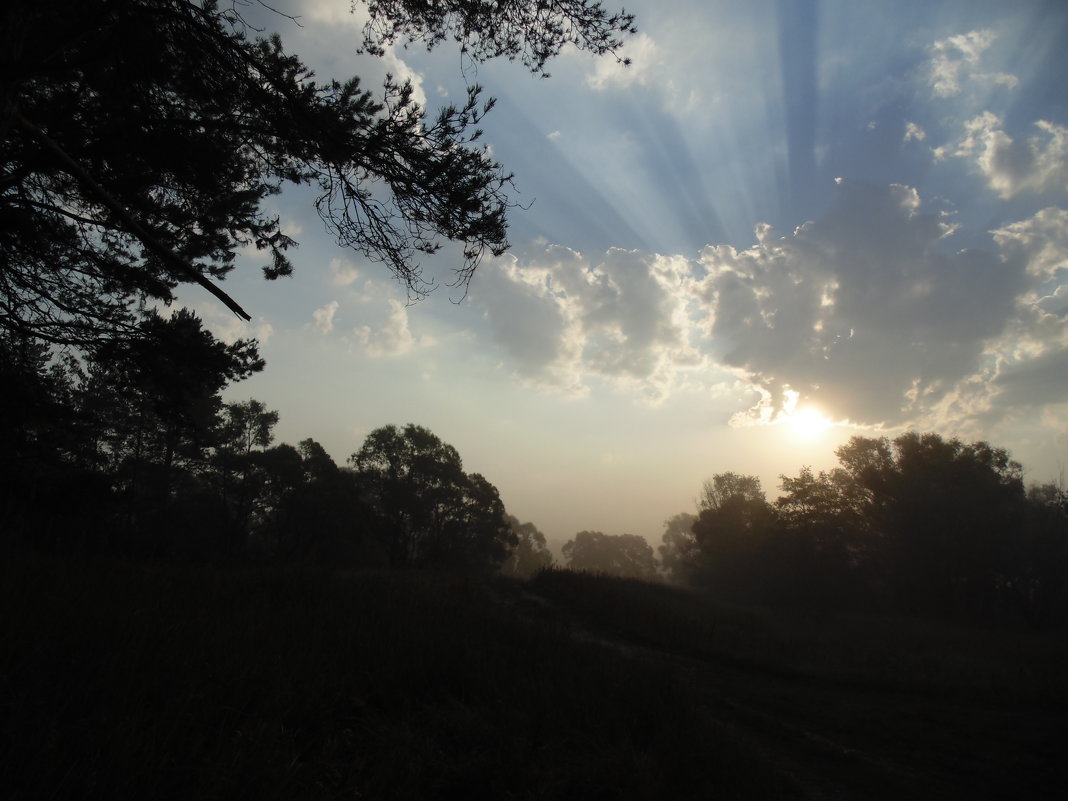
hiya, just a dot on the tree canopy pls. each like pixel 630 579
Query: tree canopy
pixel 625 555
pixel 427 509
pixel 141 139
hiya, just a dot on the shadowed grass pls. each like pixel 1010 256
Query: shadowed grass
pixel 874 650
pixel 125 681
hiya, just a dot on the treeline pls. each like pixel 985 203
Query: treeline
pixel 127 448
pixel 917 525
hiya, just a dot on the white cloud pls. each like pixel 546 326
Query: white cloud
pixel 865 312
pixel 914 131
pixel 1038 165
pixel 955 60
pixel 229 328
pixel 324 317
pixel 554 135
pixel 607 72
pixel 564 319
pixel 343 272
pixel 1041 242
pixel 394 337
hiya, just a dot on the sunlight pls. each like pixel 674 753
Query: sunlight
pixel 808 423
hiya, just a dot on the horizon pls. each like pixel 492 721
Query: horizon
pixel 784 225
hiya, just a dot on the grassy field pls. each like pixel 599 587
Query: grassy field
pixel 130 681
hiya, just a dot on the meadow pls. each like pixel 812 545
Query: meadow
pixel 131 680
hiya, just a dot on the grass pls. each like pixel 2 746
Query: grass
pixel 876 651
pixel 132 681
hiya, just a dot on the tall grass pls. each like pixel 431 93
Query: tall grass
pixel 130 681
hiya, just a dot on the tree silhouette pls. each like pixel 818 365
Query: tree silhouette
pixel 141 139
pixel 530 553
pixel 945 511
pixel 732 531
pixel 680 554
pixel 426 509
pixel 626 555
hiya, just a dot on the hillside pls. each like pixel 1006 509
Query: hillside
pixel 125 681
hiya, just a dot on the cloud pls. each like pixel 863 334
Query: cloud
pixel 868 312
pixel 607 72
pixel 343 272
pixel 914 131
pixel 863 311
pixel 229 328
pixel 394 338
pixel 563 318
pixel 955 60
pixel 1039 165
pixel 324 317
pixel 1040 241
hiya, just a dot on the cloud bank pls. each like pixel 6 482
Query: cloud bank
pixel 869 312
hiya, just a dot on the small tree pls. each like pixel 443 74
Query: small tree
pixel 625 555
pixel 530 553
pixel 680 554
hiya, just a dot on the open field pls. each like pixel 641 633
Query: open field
pixel 128 681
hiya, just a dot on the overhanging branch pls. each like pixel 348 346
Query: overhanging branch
pixel 182 267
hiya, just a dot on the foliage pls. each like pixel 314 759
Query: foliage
pixel 624 555
pixel 427 510
pixel 530 554
pixel 732 532
pixel 919 524
pixel 529 32
pixel 679 552
pixel 141 139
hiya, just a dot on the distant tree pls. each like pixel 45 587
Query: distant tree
pixel 141 140
pixel 732 531
pixel 725 489
pixel 680 554
pixel 530 554
pixel 626 555
pixel 248 425
pixel 427 510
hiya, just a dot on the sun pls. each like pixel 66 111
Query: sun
pixel 808 423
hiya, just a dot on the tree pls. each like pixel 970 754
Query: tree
pixel 732 531
pixel 427 510
pixel 945 512
pixel 140 139
pixel 680 554
pixel 820 553
pixel 156 396
pixel 530 554
pixel 724 489
pixel 625 555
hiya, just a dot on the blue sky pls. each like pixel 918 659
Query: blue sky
pixel 785 224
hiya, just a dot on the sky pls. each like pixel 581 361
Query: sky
pixel 784 225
